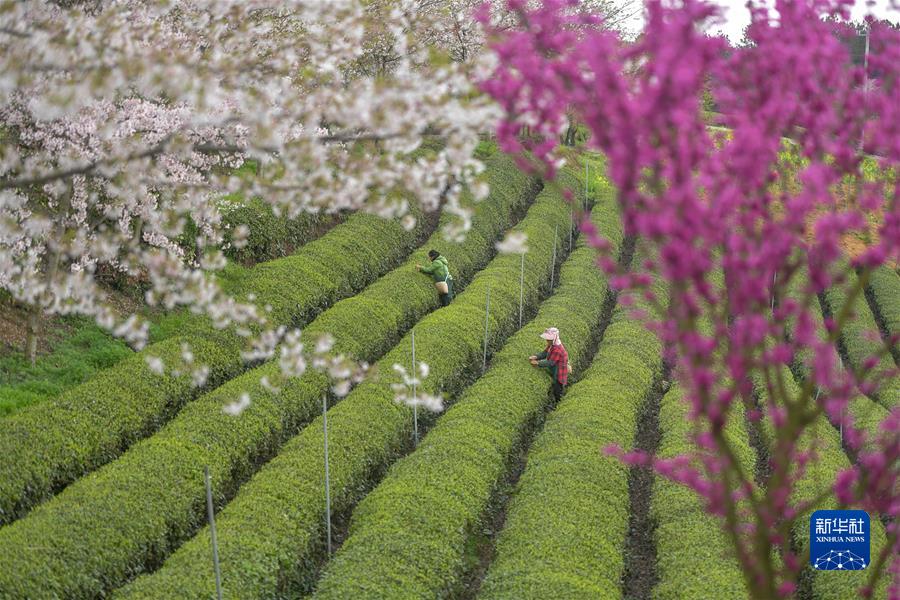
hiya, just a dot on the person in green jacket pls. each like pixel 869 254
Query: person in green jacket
pixel 439 269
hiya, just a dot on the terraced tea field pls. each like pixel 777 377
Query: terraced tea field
pixel 506 495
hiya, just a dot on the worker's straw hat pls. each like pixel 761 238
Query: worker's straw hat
pixel 551 334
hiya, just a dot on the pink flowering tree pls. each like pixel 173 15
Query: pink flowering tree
pixel 731 225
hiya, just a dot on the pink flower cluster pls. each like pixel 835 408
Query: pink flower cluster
pixel 744 221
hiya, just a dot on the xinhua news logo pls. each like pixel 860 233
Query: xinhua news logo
pixel 839 540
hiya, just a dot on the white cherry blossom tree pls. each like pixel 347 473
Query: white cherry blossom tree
pixel 121 122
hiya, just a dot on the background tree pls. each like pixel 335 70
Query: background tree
pixel 122 123
pixel 746 234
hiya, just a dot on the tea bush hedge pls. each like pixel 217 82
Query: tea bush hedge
pixel 859 338
pixel 409 537
pixel 49 445
pixel 125 517
pixel 271 536
pixel 819 476
pixel 695 560
pixel 567 521
pixel 271 236
pixel 884 286
pixel 866 414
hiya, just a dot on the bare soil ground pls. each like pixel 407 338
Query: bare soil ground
pixel 640 574
pixel 14 322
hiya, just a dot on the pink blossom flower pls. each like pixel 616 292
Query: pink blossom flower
pixel 734 221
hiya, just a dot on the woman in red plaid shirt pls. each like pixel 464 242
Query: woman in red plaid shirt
pixel 555 359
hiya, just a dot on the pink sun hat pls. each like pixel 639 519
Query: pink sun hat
pixel 551 334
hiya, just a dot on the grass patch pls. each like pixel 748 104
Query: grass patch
pixel 83 350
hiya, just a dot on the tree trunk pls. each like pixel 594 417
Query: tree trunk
pixel 31 340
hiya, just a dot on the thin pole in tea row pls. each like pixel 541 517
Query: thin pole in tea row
pixel 487 312
pixel 774 279
pixel 553 262
pixel 521 288
pixel 327 474
pixel 585 177
pixel 212 532
pixel 415 403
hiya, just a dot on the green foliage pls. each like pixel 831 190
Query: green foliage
pixel 230 277
pixel 818 477
pixel 51 443
pixel 161 475
pixel 48 445
pixel 74 360
pixel 270 236
pixel 866 414
pixel 796 290
pixel 568 519
pixel 409 536
pixel 511 191
pixel 873 172
pixel 695 560
pixel 86 349
pixel 173 324
pixel 596 168
pixel 582 135
pixel 271 535
pixel 884 284
pixel 485 149
pixel 860 338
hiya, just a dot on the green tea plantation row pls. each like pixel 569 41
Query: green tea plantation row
pixel 866 414
pixel 409 536
pixel 107 498
pixel 160 477
pixel 884 290
pixel 857 342
pixel 819 475
pixel 566 526
pixel 271 535
pixel 53 443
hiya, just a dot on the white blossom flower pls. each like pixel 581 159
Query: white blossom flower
pixel 324 344
pixel 480 190
pixel 263 346
pixel 408 222
pixel 240 236
pixel 292 360
pixel 199 376
pixel 515 242
pixel 186 354
pixel 267 385
pixel 403 390
pixel 155 364
pixel 238 406
pixel 341 388
pixel 185 93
